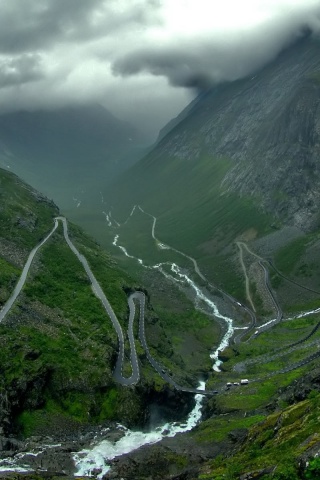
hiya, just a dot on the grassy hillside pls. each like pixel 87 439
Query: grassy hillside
pixel 59 346
pixel 283 446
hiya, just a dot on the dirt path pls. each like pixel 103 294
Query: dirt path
pixel 248 293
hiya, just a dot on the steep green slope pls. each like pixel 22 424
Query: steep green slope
pixel 285 446
pixel 268 429
pixel 59 347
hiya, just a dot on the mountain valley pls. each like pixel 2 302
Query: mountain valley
pixel 58 346
pixel 64 152
pixel 242 163
pixel 217 228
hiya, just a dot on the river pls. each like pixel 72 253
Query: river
pixel 95 461
pixel 89 461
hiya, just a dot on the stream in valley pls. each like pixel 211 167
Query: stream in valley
pixel 88 461
pixel 178 275
pixel 95 459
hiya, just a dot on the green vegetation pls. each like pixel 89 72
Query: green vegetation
pixel 63 283
pixel 25 215
pixel 202 225
pixel 8 278
pixel 114 281
pixel 58 343
pixel 109 404
pixel 216 429
pixel 313 469
pixel 261 359
pixel 287 257
pixel 256 395
pixel 276 444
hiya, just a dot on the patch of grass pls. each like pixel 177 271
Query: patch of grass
pixel 8 278
pixel 109 404
pixel 63 283
pixel 287 257
pixel 25 215
pixel 217 429
pixel 115 282
pixel 303 307
pixel 277 442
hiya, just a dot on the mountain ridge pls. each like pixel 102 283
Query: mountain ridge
pixel 235 144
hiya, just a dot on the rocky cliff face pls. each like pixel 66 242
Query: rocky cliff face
pixel 263 131
pixel 269 126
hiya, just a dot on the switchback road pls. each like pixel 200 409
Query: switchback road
pixel 98 292
pixel 139 296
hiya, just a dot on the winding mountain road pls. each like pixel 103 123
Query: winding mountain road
pixel 108 308
pixel 139 296
pixel 261 262
pixel 247 283
pixel 99 293
pixel 274 300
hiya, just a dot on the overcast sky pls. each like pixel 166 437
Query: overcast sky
pixel 142 59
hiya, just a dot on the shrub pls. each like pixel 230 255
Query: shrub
pixel 313 469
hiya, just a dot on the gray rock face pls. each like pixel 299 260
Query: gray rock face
pixel 269 127
pixel 177 457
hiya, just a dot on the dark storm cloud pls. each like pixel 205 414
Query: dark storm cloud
pixel 142 59
pixel 28 24
pixel 33 24
pixel 20 70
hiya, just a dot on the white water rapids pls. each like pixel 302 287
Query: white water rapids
pixel 88 462
pixel 95 460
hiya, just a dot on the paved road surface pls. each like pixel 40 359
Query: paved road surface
pixel 140 297
pixel 8 305
pixel 118 375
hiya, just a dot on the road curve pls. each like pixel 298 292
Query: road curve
pixel 98 292
pixel 139 296
pixel 274 300
pixel 290 280
pixel 237 339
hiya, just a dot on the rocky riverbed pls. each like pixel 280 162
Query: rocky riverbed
pixel 53 454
